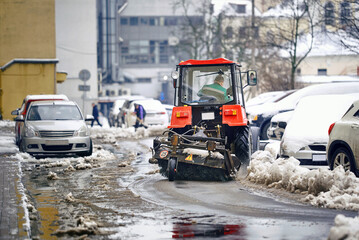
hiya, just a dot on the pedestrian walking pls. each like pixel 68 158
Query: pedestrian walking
pixel 95 115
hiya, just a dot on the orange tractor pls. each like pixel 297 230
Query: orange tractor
pixel 209 137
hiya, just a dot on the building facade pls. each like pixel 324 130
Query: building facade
pixel 28 63
pixel 76 50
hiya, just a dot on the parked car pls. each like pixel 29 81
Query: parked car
pixel 155 112
pixel 267 97
pixel 25 105
pixel 343 145
pixel 169 109
pixel 306 135
pixel 278 124
pixel 55 127
pixel 261 115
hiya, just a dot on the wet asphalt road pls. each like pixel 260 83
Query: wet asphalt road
pixel 135 202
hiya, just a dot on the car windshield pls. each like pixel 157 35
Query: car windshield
pixel 54 112
pixel 206 85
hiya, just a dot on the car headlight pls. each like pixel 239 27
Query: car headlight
pixel 252 118
pixel 82 132
pixel 30 132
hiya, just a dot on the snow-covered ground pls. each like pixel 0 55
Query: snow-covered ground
pixel 320 187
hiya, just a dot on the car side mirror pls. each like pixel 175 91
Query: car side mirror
pixel 15 112
pixel 89 118
pixel 252 78
pixel 19 118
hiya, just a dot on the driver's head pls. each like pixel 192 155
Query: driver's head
pixel 219 79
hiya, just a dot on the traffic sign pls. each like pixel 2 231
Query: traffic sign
pixel 84 75
pixel 84 88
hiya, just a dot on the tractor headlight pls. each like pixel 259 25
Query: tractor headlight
pixel 82 132
pixel 30 132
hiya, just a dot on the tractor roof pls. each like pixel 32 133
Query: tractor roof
pixel 206 62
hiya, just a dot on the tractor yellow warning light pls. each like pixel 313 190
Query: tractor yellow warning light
pixel 230 112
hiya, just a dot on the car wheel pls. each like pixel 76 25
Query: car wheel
pixel 264 132
pixel 342 157
pixel 21 146
pixel 171 169
pixel 88 153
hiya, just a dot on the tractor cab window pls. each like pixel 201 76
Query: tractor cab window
pixel 203 85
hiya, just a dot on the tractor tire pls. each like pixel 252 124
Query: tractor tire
pixel 242 144
pixel 171 169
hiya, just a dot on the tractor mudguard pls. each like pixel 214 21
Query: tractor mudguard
pixel 234 115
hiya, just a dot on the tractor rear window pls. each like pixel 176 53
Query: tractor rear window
pixel 203 85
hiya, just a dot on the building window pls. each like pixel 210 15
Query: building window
pixel 329 13
pixel 299 71
pixel 344 13
pixel 133 21
pixel 229 32
pixel 124 21
pixel 322 72
pixel 170 21
pixel 144 80
pixel 239 8
pixel 152 21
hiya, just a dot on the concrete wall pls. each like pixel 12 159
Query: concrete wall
pixel 76 48
pixel 27 31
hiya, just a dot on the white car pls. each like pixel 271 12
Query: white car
pixel 25 106
pixel 116 115
pixel 156 113
pixel 260 115
pixel 306 134
pixel 55 127
pixel 278 124
pixel 343 145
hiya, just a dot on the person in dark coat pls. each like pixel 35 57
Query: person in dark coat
pixel 95 115
pixel 140 116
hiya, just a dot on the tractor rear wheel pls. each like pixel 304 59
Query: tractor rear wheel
pixel 242 143
pixel 171 169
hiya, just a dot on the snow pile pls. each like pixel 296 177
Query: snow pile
pixel 7 123
pixel 109 135
pixel 345 228
pixel 322 187
pixel 203 153
pixel 7 145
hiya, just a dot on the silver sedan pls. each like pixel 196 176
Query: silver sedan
pixel 55 127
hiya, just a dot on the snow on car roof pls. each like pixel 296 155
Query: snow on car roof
pixel 46 96
pixel 290 102
pixel 312 118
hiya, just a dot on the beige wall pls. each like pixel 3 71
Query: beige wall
pixel 27 31
pixel 335 65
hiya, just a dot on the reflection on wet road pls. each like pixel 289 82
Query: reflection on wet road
pixel 259 213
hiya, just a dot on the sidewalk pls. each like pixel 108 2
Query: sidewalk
pixel 11 201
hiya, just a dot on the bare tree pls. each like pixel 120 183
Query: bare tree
pixel 292 22
pixel 199 28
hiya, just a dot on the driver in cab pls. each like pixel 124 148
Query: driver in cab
pixel 215 89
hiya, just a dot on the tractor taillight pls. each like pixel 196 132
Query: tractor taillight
pixel 230 112
pixel 330 128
